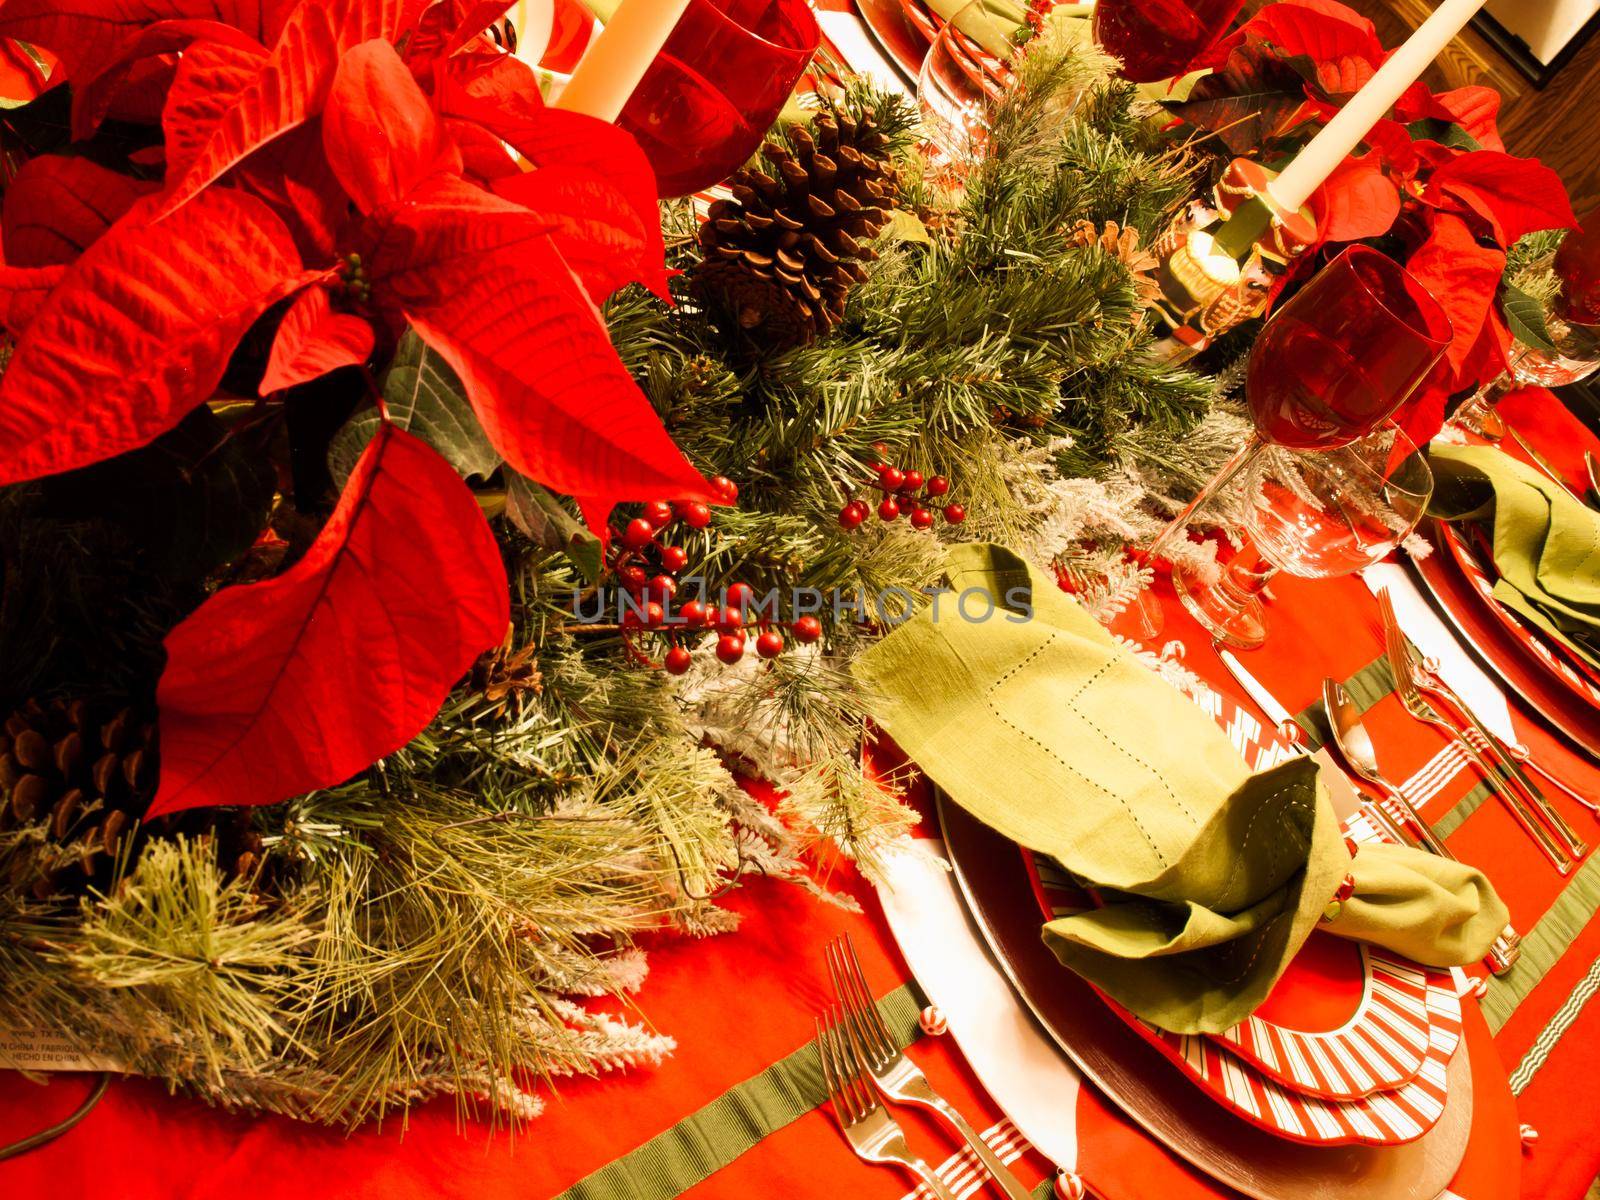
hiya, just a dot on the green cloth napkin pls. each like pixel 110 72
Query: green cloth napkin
pixel 1046 729
pixel 1546 543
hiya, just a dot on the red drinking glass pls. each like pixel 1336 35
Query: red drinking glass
pixel 1350 347
pixel 1578 265
pixel 1157 39
pixel 1328 368
pixel 717 86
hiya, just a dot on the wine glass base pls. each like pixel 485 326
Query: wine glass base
pixel 1242 626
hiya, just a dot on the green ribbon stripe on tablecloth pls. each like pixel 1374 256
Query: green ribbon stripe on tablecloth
pixel 704 1142
pixel 1545 943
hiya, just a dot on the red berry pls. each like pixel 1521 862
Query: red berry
pixel 740 595
pixel 652 616
pixel 694 514
pixel 880 448
pixel 658 513
pixel 850 516
pixel 770 644
pixel 677 660
pixel 889 509
pixel 730 647
pixel 728 620
pixel 662 588
pixel 938 485
pixel 674 558
pixel 807 630
pixel 632 577
pixel 892 479
pixel 911 482
pixel 724 489
pixel 692 612
pixel 921 518
pixel 954 513
pixel 639 534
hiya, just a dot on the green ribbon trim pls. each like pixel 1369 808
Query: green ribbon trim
pixel 1550 1036
pixel 1456 816
pixel 1366 687
pixel 1544 944
pixel 704 1142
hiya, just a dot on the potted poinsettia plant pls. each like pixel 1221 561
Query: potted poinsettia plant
pixel 328 183
pixel 1432 183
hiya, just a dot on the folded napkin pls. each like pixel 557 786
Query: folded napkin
pixel 1546 543
pixel 1042 726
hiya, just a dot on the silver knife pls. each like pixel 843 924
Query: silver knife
pixel 1280 716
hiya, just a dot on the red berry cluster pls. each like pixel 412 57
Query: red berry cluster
pixel 647 568
pixel 903 492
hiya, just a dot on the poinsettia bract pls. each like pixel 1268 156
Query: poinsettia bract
pixel 324 194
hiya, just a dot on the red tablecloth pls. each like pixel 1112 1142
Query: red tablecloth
pixel 740 1004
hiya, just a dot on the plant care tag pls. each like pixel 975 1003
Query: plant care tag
pixel 48 1050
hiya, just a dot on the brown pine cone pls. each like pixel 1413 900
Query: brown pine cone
pixel 506 676
pixel 79 783
pixel 780 258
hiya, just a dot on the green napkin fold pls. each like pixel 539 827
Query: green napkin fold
pixel 1546 543
pixel 1038 723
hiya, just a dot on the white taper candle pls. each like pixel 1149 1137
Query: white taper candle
pixel 620 56
pixel 1355 120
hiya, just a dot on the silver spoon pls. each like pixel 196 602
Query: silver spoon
pixel 1355 747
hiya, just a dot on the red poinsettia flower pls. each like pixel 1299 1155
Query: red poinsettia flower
pixel 1435 170
pixel 309 165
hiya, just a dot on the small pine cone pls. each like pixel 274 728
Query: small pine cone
pixel 507 677
pixel 779 259
pixel 1123 245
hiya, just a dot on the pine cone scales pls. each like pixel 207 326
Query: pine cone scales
pixel 74 787
pixel 85 781
pixel 781 257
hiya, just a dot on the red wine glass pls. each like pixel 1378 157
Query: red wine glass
pixel 717 86
pixel 1329 367
pixel 1572 321
pixel 1157 39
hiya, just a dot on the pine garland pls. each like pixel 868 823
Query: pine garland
pixel 433 925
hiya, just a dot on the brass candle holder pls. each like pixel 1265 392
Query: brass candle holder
pixel 1218 262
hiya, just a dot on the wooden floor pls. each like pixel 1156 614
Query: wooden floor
pixel 1558 124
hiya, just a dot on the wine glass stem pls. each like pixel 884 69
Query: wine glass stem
pixel 1229 472
pixel 1246 576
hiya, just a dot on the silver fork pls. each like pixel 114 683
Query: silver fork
pixel 1428 679
pixel 873 1134
pixel 1402 666
pixel 896 1075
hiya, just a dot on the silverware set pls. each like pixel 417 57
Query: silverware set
pixel 863 1066
pixel 1422 691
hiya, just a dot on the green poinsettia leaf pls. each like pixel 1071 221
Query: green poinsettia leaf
pixel 538 513
pixel 425 398
pixel 1446 133
pixel 1525 317
pixel 1257 96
